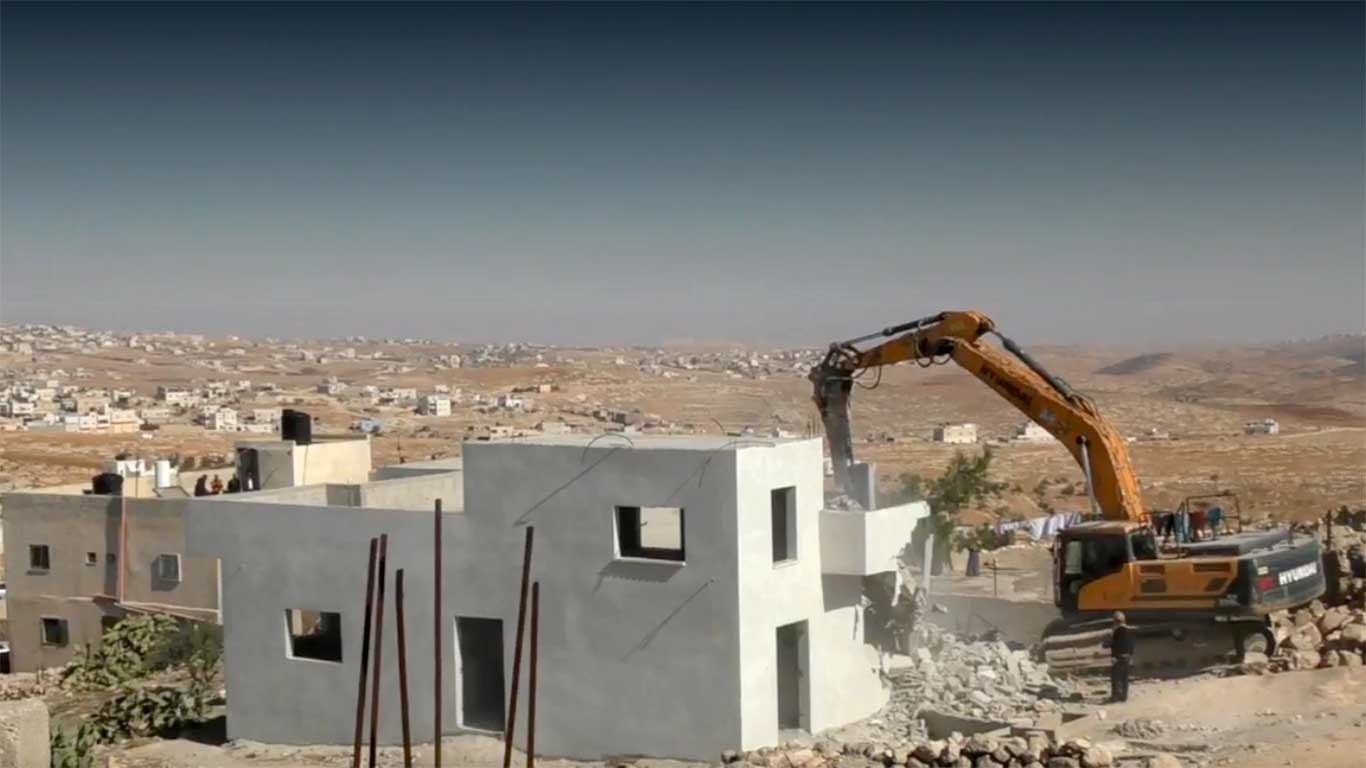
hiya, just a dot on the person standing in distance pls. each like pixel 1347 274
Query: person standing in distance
pixel 1121 658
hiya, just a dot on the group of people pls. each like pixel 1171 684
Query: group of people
pixel 1197 524
pixel 203 487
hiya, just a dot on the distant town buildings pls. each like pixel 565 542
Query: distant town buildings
pixel 956 434
pixel 1262 427
pixel 434 405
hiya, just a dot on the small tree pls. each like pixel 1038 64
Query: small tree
pixel 965 482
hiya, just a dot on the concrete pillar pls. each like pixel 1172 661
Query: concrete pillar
pixel 863 484
pixel 24 734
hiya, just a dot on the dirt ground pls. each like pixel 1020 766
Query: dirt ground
pixel 1313 719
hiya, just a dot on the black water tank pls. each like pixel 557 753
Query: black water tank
pixel 296 426
pixel 107 484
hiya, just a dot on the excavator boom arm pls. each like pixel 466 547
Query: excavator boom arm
pixel 1019 379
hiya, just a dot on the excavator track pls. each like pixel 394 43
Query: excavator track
pixel 1162 648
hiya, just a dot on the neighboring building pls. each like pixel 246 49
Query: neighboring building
pixel 155 415
pixel 695 595
pixel 1029 432
pixel 957 434
pixel 512 402
pixel 16 408
pixel 434 405
pixel 175 396
pixel 267 464
pixel 1263 427
pixel 78 562
pixel 224 420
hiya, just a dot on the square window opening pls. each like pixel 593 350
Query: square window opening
pixel 167 568
pixel 650 533
pixel 54 631
pixel 39 557
pixel 783 511
pixel 92 558
pixel 314 634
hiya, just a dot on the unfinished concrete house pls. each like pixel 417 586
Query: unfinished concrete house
pixel 695 595
pixel 78 562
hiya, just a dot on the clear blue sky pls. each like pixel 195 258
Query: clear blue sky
pixel 636 173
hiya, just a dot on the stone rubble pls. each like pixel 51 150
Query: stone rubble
pixel 1034 750
pixel 986 680
pixel 1317 636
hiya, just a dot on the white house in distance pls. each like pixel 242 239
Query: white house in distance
pixel 956 434
pixel 695 595
pixel 1263 427
pixel 434 405
pixel 1029 432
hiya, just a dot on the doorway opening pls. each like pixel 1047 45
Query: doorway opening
pixel 794 688
pixel 479 673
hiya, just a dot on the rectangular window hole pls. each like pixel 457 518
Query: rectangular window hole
pixel 314 634
pixel 39 557
pixel 54 631
pixel 167 568
pixel 651 533
pixel 783 511
pixel 92 558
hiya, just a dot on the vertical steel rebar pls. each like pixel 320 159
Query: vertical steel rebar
pixel 517 652
pixel 438 677
pixel 379 650
pixel 402 669
pixel 364 654
pixel 531 678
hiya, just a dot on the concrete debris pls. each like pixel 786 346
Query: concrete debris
pixel 986 680
pixel 843 502
pixel 976 751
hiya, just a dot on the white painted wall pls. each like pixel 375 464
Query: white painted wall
pixel 637 657
pixel 843 672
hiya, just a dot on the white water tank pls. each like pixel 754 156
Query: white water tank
pixel 163 473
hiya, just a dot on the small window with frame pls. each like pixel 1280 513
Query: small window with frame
pixel 53 631
pixel 39 557
pixel 166 568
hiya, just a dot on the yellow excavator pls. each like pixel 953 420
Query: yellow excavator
pixel 1194 603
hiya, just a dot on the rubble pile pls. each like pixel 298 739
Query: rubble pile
pixel 1346 545
pixel 1320 636
pixel 987 680
pixel 957 751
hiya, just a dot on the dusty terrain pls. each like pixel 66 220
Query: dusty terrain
pixel 1199 398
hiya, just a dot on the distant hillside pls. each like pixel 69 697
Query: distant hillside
pixel 1136 364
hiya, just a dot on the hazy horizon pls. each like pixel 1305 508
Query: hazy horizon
pixel 632 174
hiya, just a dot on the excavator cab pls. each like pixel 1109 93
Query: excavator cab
pixel 1088 552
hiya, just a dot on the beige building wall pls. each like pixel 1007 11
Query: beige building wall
pixel 81 584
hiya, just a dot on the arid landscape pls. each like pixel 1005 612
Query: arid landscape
pixel 1183 408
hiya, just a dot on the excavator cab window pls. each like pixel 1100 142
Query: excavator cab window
pixel 1104 555
pixel 1144 544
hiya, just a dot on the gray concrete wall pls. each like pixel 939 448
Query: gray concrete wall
pixel 1021 621
pixel 72 527
pixel 637 656
pixel 416 492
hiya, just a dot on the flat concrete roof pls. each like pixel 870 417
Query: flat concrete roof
pixel 644 442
